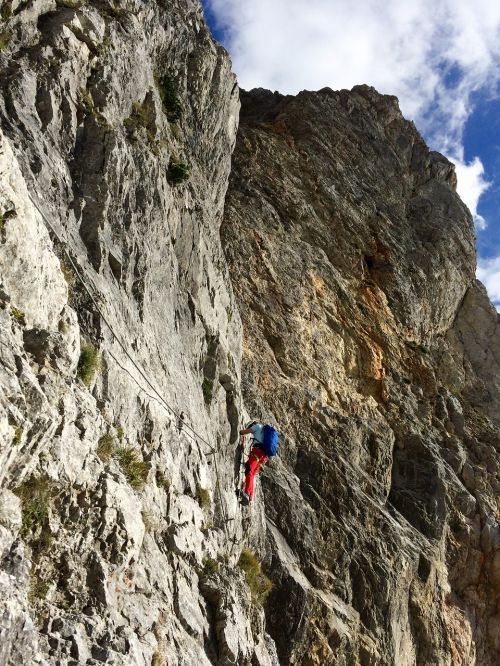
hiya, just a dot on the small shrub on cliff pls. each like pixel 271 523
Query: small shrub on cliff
pixel 161 480
pixel 6 10
pixel 18 315
pixel 171 103
pixel 88 363
pixel 105 447
pixel 207 388
pixel 203 497
pixel 178 173
pixel 18 435
pixel 35 494
pixel 5 36
pixel 38 588
pixel 258 582
pixel 210 566
pixel 135 469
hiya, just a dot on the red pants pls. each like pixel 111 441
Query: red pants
pixel 256 458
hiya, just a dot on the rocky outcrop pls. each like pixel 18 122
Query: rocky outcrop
pixel 117 129
pixel 341 304
pixel 368 340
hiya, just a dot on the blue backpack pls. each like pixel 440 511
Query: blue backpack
pixel 270 441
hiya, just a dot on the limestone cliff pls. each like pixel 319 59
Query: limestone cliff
pixel 126 370
pixel 368 339
pixel 112 506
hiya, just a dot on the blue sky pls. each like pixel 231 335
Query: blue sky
pixel 440 57
pixel 482 137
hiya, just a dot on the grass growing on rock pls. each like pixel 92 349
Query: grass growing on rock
pixel 258 582
pixel 18 435
pixel 161 480
pixel 203 497
pixel 171 103
pixel 17 314
pixel 5 37
pixel 35 494
pixel 105 447
pixel 210 566
pixel 6 10
pixel 88 363
pixel 135 469
pixel 38 588
pixel 178 173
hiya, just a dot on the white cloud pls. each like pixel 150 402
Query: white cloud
pixel 488 271
pixel 432 54
pixel 471 184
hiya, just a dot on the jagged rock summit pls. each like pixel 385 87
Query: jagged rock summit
pixel 153 297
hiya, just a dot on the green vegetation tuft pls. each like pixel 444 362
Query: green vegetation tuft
pixel 203 498
pixel 120 432
pixel 207 388
pixel 5 37
pixel 18 435
pixel 178 173
pixel 38 588
pixel 135 469
pixel 171 103
pixel 88 363
pixel 105 447
pixel 6 11
pixel 35 494
pixel 258 582
pixel 18 315
pixel 210 566
pixel 161 480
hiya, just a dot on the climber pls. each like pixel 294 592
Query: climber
pixel 264 446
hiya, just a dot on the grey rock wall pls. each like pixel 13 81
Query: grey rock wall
pixel 368 340
pixel 341 304
pixel 120 541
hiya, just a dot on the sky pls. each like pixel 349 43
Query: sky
pixel 440 57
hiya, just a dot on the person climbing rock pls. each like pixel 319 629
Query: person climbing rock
pixel 265 444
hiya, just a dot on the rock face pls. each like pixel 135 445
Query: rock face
pixel 121 514
pixel 368 340
pixel 126 372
